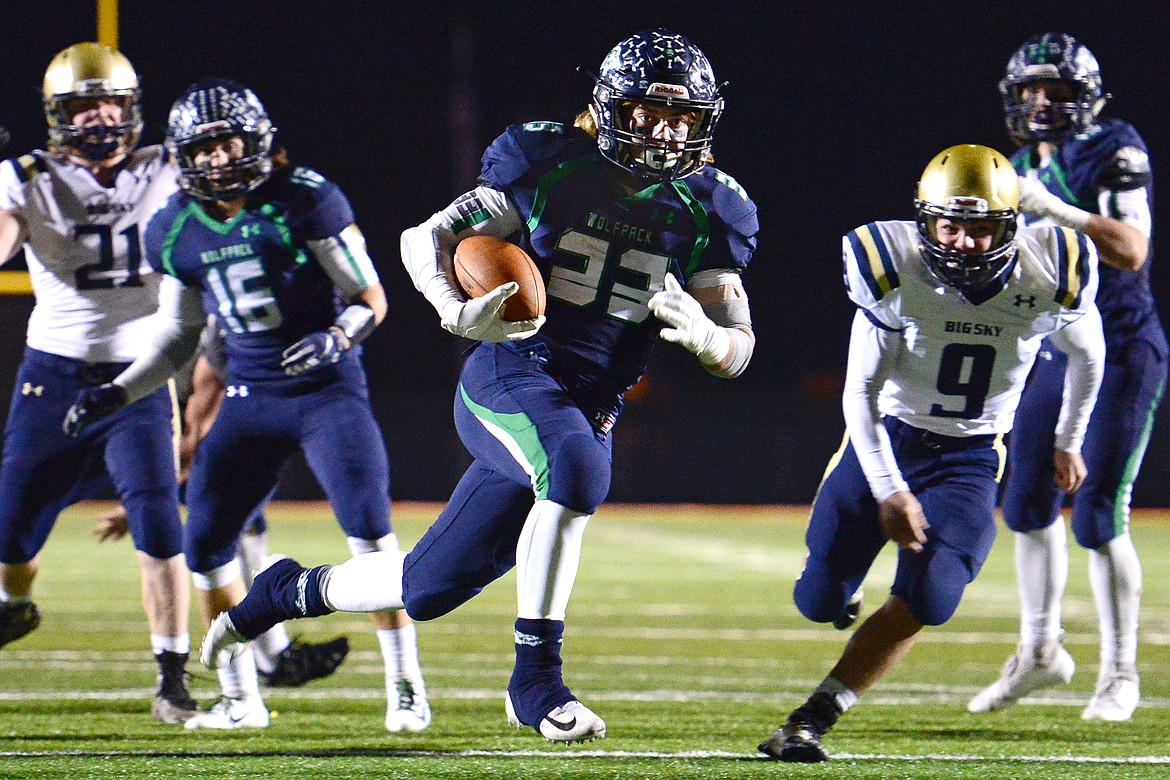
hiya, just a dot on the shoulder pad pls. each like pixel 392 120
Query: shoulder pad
pixel 730 183
pixel 868 260
pixel 29 165
pixel 1127 169
pixel 543 127
pixel 306 177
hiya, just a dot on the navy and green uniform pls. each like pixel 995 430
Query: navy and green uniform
pixel 257 273
pixel 1110 157
pixel 536 414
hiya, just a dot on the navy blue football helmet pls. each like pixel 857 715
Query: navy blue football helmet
pixel 1051 57
pixel 664 69
pixel 211 109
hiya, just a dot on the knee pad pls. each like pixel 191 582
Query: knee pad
pixel 362 546
pixel 218 577
pixel 934 589
pixel 579 473
pixel 155 527
pixel 819 597
pixel 1094 527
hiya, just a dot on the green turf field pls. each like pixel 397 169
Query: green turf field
pixel 682 635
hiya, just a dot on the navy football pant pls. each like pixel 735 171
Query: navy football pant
pixel 529 441
pixel 954 480
pixel 44 470
pixel 239 463
pixel 1115 442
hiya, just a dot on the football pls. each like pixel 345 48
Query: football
pixel 483 263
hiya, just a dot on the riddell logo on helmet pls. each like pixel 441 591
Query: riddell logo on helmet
pixel 668 91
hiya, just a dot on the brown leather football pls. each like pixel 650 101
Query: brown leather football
pixel 483 263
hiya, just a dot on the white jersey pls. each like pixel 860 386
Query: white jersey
pixel 963 363
pixel 95 291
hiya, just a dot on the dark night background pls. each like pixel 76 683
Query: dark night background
pixel 832 112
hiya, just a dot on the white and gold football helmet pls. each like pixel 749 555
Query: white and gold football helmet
pixel 91 72
pixel 968 182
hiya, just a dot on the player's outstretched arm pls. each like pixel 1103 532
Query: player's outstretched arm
pixel 713 324
pixel 1119 244
pixel 427 252
pixel 180 320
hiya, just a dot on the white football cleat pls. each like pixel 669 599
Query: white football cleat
pixel 222 643
pixel 571 722
pixel 1030 669
pixel 1116 696
pixel 410 712
pixel 246 713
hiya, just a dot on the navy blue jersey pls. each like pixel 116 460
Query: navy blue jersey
pixel 1081 167
pixel 256 273
pixel 603 251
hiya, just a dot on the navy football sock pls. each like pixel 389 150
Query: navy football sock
pixel 283 591
pixel 536 687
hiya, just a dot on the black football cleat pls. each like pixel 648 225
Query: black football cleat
pixel 799 740
pixel 17 619
pixel 303 661
pixel 172 703
pixel 797 743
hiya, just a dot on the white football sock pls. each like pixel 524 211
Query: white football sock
pixel 845 697
pixel 1041 574
pixel 365 583
pixel 238 679
pixel 1116 578
pixel 547 555
pixel 172 644
pixel 400 656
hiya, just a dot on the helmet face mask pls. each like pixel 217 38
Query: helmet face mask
pixel 89 76
pixel 667 76
pixel 212 113
pixel 975 187
pixel 1063 66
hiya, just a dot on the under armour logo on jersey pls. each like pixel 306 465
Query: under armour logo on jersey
pixel 31 389
pixel 1030 300
pixel 250 230
pixel 236 390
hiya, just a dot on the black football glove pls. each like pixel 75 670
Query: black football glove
pixel 93 404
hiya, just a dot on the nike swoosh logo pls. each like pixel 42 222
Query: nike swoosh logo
pixel 236 720
pixel 562 725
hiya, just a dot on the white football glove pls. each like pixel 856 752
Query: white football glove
pixel 690 327
pixel 1037 201
pixel 479 318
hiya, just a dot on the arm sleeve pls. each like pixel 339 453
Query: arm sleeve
pixel 427 249
pixel 1084 344
pixel 872 353
pixel 346 261
pixel 725 302
pixel 180 320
